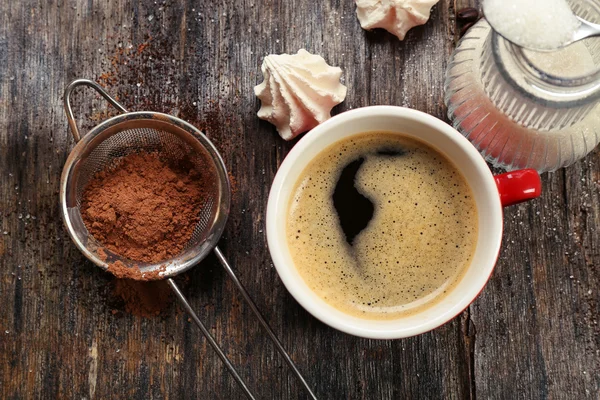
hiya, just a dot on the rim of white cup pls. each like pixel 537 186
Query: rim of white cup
pixel 403 326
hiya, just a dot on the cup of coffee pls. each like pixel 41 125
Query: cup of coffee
pixel 385 222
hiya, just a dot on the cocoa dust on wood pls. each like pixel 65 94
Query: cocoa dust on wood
pixel 144 299
pixel 144 209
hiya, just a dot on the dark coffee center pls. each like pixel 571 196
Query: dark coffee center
pixel 354 210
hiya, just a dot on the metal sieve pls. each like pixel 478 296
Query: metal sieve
pixel 174 140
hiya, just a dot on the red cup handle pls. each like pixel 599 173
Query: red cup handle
pixel 518 186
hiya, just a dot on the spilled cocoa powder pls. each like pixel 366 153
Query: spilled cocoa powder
pixel 144 299
pixel 143 209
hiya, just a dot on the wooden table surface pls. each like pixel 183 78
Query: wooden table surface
pixel 533 332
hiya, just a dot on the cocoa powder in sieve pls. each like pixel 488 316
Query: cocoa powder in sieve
pixel 144 209
pixel 122 271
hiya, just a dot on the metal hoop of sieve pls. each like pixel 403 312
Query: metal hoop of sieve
pixel 173 139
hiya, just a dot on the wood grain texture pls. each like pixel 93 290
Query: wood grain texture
pixel 533 333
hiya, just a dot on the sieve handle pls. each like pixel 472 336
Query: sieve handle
pixel 69 110
pixel 263 322
pixel 210 339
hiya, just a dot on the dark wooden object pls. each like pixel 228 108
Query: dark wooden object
pixel 533 333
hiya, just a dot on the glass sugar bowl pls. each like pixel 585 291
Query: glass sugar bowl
pixel 526 109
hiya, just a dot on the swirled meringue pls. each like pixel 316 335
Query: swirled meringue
pixel 298 92
pixel 395 16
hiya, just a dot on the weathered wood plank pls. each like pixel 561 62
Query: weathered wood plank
pixel 537 320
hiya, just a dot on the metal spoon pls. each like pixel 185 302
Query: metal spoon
pixel 586 29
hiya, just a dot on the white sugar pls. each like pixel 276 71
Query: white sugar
pixel 541 24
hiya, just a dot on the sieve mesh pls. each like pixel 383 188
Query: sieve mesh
pixel 104 148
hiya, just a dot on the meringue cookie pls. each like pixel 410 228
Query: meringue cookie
pixel 395 16
pixel 298 92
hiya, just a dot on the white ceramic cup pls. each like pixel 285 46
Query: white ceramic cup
pixel 491 193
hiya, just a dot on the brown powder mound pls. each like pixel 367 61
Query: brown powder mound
pixel 143 209
pixel 145 299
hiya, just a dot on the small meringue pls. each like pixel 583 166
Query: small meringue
pixel 298 92
pixel 395 16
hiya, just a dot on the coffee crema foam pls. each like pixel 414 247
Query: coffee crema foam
pixel 410 254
